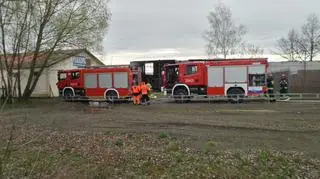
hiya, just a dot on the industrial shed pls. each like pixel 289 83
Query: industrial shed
pixel 60 60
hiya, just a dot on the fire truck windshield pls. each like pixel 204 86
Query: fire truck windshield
pixel 75 75
pixel 62 76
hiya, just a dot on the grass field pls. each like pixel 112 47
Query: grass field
pixel 54 139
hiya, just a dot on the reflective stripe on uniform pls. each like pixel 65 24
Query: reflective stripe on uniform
pixel 135 89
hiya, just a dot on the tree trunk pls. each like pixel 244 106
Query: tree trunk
pixel 225 55
pixel 19 83
pixel 9 92
pixel 311 50
pixel 304 75
pixel 27 91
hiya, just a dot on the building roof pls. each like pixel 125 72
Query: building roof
pixel 56 57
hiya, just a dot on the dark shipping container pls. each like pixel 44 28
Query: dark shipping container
pixel 151 71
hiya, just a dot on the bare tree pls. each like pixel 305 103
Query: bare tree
pixel 304 46
pixel 251 50
pixel 296 47
pixel 11 19
pixel 223 36
pixel 37 29
pixel 310 36
pixel 292 47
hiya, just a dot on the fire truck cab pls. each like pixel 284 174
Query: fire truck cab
pixel 107 82
pixel 231 77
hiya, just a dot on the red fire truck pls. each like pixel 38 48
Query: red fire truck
pixel 233 78
pixel 107 82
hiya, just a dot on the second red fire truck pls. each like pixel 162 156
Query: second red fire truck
pixel 233 78
pixel 109 83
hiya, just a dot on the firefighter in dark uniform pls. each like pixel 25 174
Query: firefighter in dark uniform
pixel 270 87
pixel 283 85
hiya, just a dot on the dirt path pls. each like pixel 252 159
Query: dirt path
pixel 281 126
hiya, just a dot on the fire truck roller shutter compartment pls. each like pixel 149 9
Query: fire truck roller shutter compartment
pixel 105 80
pixel 90 80
pixel 215 81
pixel 121 82
pixel 236 79
pixel 90 83
pixel 105 83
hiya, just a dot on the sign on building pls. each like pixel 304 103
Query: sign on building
pixel 148 68
pixel 79 61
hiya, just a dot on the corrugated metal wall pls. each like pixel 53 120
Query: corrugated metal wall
pixel 302 78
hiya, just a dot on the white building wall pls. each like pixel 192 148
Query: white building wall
pixel 46 86
pixel 24 74
pixel 41 88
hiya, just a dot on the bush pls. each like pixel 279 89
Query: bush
pixel 173 147
pixel 119 142
pixel 163 135
pixel 209 146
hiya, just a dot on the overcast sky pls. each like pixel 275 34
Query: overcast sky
pixel 169 28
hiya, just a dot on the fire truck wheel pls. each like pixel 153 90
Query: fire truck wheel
pixel 111 96
pixel 236 95
pixel 180 95
pixel 67 94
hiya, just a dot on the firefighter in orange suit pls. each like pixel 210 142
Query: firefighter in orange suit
pixel 144 93
pixel 136 91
